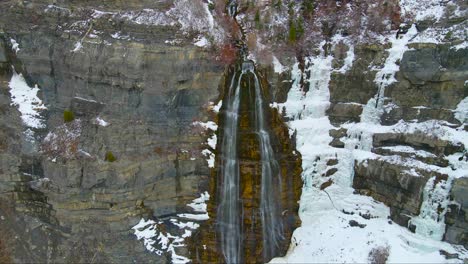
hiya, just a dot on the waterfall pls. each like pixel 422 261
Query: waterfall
pixel 229 210
pixel 272 229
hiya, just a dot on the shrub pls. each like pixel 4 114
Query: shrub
pixel 300 27
pixel 449 35
pixel 308 6
pixel 379 255
pixel 291 9
pixel 68 116
pixel 110 157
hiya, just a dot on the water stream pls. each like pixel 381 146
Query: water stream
pixel 229 215
pixel 230 211
pixel 272 229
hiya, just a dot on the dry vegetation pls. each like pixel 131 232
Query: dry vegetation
pixel 297 27
pixel 63 141
pixel 379 255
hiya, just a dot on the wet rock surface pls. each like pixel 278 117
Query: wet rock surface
pixel 207 250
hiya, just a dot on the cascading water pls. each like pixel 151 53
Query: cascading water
pixel 229 208
pixel 272 228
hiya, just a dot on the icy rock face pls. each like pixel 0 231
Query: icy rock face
pixel 411 143
pixel 429 88
pixel 404 146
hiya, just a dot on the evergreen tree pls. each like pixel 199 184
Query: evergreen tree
pixel 292 31
pixel 258 25
pixel 300 27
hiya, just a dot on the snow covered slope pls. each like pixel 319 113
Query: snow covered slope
pixel 339 223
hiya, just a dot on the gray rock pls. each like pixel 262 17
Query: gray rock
pixel 457 217
pixel 149 92
pixel 342 112
pixel 390 184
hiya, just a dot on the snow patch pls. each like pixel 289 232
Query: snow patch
pixel 146 230
pixel 118 35
pixel 210 157
pixel 101 122
pixel 350 56
pixel 198 217
pixel 211 141
pixel 161 241
pixel 14 45
pixel 149 17
pixel 423 9
pixel 195 16
pixel 27 101
pixel 348 62
pixel 183 225
pixel 408 149
pixel 207 125
pixel 78 47
pixel 217 107
pixel 461 112
pixel 50 8
pixel 462 45
pixel 199 204
pixel 277 66
pixel 201 42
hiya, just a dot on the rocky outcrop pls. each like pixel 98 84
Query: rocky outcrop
pixel 456 218
pixel 393 184
pixel 350 91
pixel 431 84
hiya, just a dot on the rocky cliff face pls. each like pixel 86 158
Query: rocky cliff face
pixel 134 97
pixel 369 106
